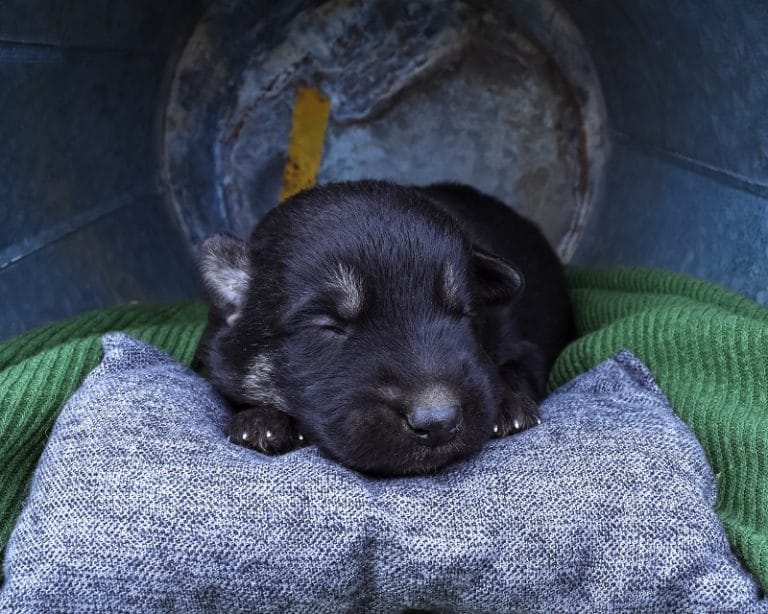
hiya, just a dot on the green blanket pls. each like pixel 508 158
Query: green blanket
pixel 705 345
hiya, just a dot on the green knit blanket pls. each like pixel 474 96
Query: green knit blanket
pixel 706 347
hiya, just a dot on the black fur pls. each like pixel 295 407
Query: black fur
pixel 354 303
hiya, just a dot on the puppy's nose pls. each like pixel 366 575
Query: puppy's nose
pixel 434 425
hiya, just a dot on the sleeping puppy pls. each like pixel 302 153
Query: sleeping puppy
pixel 396 328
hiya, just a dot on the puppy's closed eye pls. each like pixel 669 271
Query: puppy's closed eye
pixel 331 325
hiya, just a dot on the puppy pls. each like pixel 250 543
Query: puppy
pixel 396 328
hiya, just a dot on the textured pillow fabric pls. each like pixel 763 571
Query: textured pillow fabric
pixel 140 504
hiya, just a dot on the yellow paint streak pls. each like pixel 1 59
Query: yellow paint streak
pixel 305 148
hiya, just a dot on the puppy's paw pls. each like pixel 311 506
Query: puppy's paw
pixel 264 430
pixel 518 412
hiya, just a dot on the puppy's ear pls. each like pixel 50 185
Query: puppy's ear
pixel 498 281
pixel 226 273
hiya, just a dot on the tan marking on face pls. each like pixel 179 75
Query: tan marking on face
pixel 350 287
pixel 258 383
pixel 434 395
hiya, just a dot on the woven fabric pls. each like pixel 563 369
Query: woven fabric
pixel 40 370
pixel 140 504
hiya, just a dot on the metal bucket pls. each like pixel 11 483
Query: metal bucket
pixel 502 96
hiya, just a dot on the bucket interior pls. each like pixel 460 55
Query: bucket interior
pixel 633 133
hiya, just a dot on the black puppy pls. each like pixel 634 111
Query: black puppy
pixel 396 328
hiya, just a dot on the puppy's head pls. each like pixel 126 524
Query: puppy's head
pixel 361 315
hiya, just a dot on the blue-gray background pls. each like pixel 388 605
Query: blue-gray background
pixel 85 222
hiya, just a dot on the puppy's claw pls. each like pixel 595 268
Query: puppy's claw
pixel 518 412
pixel 265 430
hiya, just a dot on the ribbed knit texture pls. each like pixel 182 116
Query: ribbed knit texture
pixel 708 349
pixel 41 369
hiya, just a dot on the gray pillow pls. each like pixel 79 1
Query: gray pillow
pixel 140 504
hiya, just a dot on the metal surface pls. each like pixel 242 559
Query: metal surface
pixel 83 221
pixel 420 92
pixel 686 91
pixel 85 113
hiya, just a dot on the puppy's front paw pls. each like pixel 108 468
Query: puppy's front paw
pixel 265 430
pixel 518 412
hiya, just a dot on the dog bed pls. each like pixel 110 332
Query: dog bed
pixel 706 347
